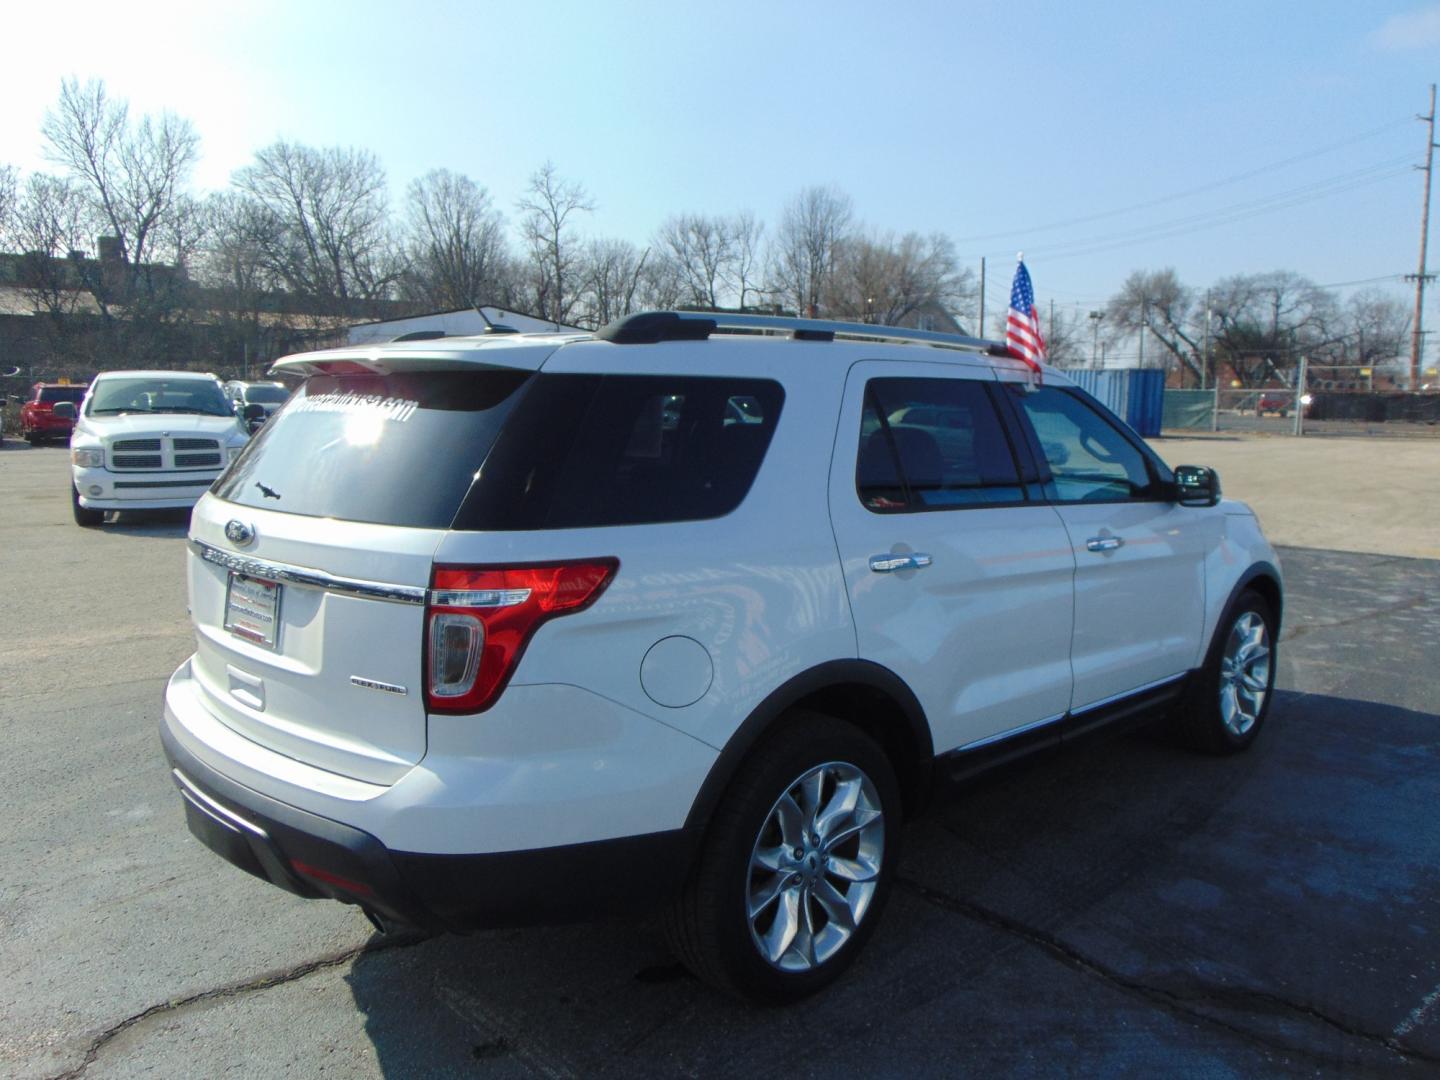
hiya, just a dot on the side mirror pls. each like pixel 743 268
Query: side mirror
pixel 1196 485
pixel 64 409
pixel 254 416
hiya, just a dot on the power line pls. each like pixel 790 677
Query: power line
pixel 1187 193
pixel 1215 219
pixel 1362 281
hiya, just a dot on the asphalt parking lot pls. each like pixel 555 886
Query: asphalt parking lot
pixel 1128 909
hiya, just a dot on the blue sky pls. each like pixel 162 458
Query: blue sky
pixel 984 121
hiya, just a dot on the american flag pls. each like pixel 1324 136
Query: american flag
pixel 1022 328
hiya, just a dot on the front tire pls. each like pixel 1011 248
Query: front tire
pixel 1231 697
pixel 84 517
pixel 796 866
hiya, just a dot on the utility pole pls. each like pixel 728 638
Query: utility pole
pixel 1417 339
pixel 1205 360
pixel 981 331
pixel 1301 378
pixel 1144 322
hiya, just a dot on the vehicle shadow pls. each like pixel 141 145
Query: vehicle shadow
pixel 162 523
pixel 1126 907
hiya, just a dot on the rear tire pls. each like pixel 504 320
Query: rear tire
pixel 1231 696
pixel 796 865
pixel 84 516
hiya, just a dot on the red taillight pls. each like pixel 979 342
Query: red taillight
pixel 479 619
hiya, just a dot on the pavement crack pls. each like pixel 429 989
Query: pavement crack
pixel 1407 604
pixel 249 986
pixel 1171 1000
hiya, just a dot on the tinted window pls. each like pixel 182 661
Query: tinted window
pixel 388 449
pixel 588 450
pixel 158 395
pixel 62 393
pixel 929 444
pixel 1090 459
pixel 266 395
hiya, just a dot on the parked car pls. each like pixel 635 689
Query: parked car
pixel 1276 402
pixel 538 627
pixel 269 396
pixel 38 420
pixel 149 440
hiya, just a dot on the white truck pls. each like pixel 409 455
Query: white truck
pixel 149 440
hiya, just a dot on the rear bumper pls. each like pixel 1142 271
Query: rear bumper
pixel 45 428
pixel 314 857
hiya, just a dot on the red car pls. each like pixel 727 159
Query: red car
pixel 1277 401
pixel 37 416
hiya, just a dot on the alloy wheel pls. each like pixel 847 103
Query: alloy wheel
pixel 815 866
pixel 1244 673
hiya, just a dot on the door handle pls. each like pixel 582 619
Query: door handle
pixel 888 564
pixel 1103 543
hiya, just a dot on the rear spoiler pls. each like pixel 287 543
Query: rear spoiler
pixel 508 352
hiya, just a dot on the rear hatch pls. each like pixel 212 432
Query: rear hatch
pixel 311 556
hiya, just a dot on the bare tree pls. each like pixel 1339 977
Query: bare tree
pixel 614 276
pixel 1265 321
pixel 454 244
pixel 813 227
pixel 134 173
pixel 1379 328
pixel 49 226
pixel 883 280
pixel 253 317
pixel 1157 303
pixel 748 233
pixel 660 286
pixel 9 186
pixel 325 228
pixel 550 206
pixel 703 251
pixel 132 176
pixel 1066 343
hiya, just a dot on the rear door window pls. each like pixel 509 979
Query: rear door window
pixel 592 450
pixel 933 444
pixel 398 449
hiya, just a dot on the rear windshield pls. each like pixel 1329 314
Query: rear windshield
pixel 558 451
pixel 62 393
pixel 114 397
pixel 398 449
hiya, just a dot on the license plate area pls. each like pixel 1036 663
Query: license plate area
pixel 252 609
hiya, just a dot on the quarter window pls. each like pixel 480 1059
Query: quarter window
pixel 590 450
pixel 933 444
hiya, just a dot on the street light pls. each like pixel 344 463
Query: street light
pixel 1095 317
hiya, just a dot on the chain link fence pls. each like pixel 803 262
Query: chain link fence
pixel 1287 411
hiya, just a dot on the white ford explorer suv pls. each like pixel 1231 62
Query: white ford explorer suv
pixel 692 612
pixel 149 440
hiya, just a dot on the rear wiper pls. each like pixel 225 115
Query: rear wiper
pixel 269 493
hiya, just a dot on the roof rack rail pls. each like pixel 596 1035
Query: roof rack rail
pixel 649 327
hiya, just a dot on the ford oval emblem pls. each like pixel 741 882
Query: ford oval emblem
pixel 237 532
